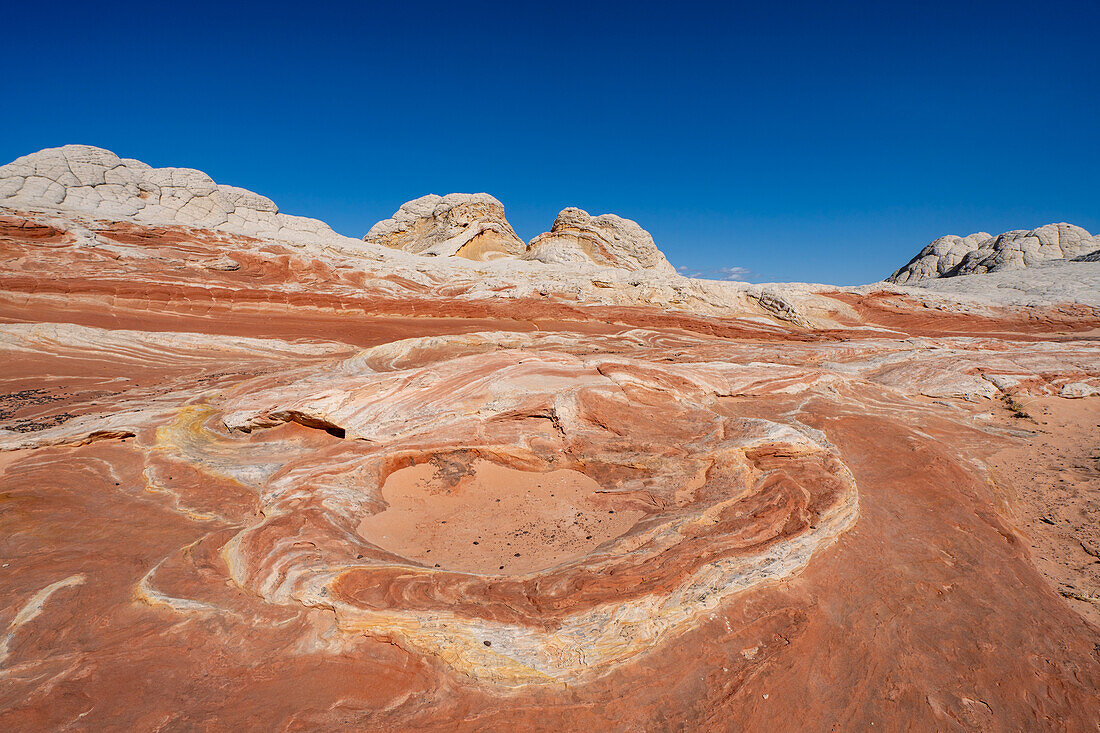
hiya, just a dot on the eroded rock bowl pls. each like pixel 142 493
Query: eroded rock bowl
pixel 525 516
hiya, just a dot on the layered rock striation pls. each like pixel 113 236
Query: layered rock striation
pixel 606 240
pixel 340 486
pixel 468 225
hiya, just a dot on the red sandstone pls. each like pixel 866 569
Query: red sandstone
pixel 682 521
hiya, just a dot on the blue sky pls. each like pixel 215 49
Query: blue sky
pixel 806 141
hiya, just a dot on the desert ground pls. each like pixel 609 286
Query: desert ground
pixel 255 474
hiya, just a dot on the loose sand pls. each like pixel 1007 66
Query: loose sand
pixel 481 517
pixel 1053 488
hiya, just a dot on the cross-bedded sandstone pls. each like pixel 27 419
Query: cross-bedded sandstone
pixel 252 480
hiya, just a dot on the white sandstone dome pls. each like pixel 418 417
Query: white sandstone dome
pixel 980 253
pixel 97 182
pixel 607 240
pixel 939 257
pixel 1019 249
pixel 469 225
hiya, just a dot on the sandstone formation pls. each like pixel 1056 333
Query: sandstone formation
pixel 607 240
pixel 96 181
pixel 473 226
pixel 979 253
pixel 265 482
pixel 469 225
pixel 940 258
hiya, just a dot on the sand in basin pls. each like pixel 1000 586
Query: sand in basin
pixel 1052 483
pixel 482 517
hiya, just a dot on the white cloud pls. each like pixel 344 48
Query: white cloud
pixel 716 273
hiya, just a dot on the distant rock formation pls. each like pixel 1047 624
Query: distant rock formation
pixel 940 257
pixel 95 181
pixel 473 226
pixel 978 253
pixel 1019 249
pixel 607 240
pixel 470 225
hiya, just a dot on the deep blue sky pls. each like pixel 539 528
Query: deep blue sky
pixel 824 142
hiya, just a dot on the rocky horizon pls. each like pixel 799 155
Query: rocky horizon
pixel 469 226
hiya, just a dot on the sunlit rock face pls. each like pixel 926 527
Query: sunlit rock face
pixel 609 240
pixel 467 225
pixel 83 178
pixel 251 481
pixel 940 258
pixel 951 256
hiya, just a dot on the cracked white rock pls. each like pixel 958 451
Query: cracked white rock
pixel 95 181
pixel 469 225
pixel 607 240
pixel 939 257
pixel 951 256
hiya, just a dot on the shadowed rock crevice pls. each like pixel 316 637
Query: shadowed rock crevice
pixel 291 416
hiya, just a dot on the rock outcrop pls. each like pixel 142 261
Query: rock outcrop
pixel 473 226
pixel 469 225
pixel 95 181
pixel 939 258
pixel 951 256
pixel 1016 250
pixel 607 240
pixel 346 487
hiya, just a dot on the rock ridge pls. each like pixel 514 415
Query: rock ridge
pixel 473 226
pixel 95 181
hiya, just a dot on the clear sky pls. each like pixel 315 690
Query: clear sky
pixel 824 141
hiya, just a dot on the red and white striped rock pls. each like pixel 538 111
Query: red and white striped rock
pixel 248 482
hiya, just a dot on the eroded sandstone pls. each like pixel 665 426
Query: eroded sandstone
pixel 952 256
pixel 609 240
pixel 242 478
pixel 467 225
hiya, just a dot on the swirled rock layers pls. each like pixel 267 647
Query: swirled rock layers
pixel 598 520
pixel 253 479
pixel 553 529
pixel 577 237
pixel 467 225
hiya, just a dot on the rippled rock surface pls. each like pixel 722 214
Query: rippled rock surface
pixel 251 481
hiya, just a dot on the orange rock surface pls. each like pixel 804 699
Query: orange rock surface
pixel 243 486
